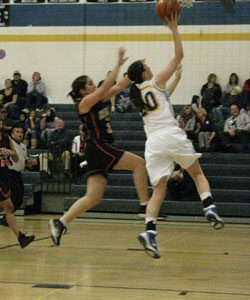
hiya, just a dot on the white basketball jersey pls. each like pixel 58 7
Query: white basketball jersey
pixel 161 114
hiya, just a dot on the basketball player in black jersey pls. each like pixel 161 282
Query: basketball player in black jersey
pixel 102 157
pixel 7 150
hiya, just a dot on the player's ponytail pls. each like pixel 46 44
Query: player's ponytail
pixel 135 74
pixel 78 83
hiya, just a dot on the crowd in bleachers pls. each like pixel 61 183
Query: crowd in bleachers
pixel 213 122
pixel 220 118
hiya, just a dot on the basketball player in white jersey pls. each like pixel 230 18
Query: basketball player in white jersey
pixel 166 142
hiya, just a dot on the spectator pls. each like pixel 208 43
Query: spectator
pixel 231 95
pixel 186 121
pixel 36 94
pixel 6 121
pixel 211 93
pixel 21 123
pixel 246 108
pixel 33 130
pixel 77 150
pixel 195 103
pixel 58 148
pixel 246 91
pixel 124 104
pixel 20 86
pixel 237 127
pixel 48 124
pixel 205 130
pixel 110 103
pixel 8 100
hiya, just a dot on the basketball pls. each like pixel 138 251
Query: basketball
pixel 164 8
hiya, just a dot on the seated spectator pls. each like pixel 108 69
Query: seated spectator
pixel 246 91
pixel 48 124
pixel 246 108
pixel 124 104
pixel 32 134
pixel 205 130
pixel 78 156
pixel 211 93
pixel 6 121
pixel 195 103
pixel 111 102
pixel 186 121
pixel 237 127
pixel 58 148
pixel 21 123
pixel 35 98
pixel 20 86
pixel 8 100
pixel 231 95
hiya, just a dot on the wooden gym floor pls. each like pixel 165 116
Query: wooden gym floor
pixel 102 259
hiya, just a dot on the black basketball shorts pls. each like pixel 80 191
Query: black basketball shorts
pixel 101 157
pixel 4 184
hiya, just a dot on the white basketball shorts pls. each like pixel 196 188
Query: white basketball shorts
pixel 163 148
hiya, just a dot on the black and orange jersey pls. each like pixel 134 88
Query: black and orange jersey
pixel 4 159
pixel 97 123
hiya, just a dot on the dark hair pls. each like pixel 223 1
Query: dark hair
pixel 135 74
pixel 78 83
pixel 51 118
pixel 230 78
pixel 195 99
pixel 16 126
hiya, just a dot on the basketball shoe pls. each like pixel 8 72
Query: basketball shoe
pixel 213 217
pixel 24 240
pixel 147 239
pixel 56 230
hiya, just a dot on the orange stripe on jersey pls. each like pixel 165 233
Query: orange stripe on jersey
pixel 147 86
pixel 95 126
pixel 5 195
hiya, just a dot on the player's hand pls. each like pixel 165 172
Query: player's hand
pixel 173 21
pixel 121 58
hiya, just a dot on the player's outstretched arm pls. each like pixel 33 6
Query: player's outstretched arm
pixel 91 99
pixel 167 72
pixel 117 88
pixel 174 83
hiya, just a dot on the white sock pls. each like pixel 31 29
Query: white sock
pixel 144 203
pixel 63 221
pixel 154 220
pixel 205 195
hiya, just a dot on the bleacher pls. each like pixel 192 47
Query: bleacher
pixel 228 174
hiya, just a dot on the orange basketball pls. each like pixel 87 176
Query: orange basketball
pixel 164 8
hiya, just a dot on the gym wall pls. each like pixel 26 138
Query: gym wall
pixel 64 41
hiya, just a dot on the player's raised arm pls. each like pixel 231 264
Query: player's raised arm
pixel 91 97
pixel 176 80
pixel 117 88
pixel 162 77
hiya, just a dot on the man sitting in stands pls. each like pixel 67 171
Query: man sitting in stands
pixel 237 127
pixel 58 148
